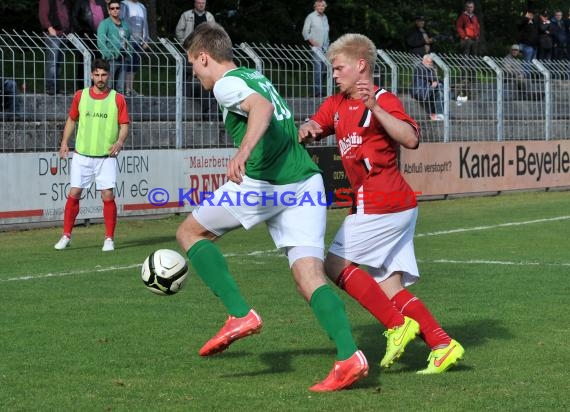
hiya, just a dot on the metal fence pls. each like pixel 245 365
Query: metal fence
pixel 503 100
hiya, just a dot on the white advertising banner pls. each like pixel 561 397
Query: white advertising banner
pixel 35 185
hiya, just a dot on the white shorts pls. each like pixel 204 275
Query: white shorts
pixel 295 214
pixel 84 170
pixel 384 243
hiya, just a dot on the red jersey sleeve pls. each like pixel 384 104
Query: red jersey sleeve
pixel 122 108
pixel 74 110
pixel 391 104
pixel 325 116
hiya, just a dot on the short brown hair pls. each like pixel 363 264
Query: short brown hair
pixel 100 64
pixel 211 38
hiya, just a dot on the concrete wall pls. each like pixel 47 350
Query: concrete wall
pixel 40 123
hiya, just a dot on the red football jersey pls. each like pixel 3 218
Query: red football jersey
pixel 369 155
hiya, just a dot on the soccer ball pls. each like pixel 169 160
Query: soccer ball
pixel 164 272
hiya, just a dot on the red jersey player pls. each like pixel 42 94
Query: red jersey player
pixel 370 124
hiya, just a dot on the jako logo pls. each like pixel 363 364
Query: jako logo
pixel 101 115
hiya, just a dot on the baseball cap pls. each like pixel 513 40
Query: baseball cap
pixel 515 47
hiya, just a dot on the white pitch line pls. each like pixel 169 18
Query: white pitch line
pixel 73 273
pixel 471 229
pixel 274 252
pixel 491 262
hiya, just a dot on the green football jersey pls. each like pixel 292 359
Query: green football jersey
pixel 278 157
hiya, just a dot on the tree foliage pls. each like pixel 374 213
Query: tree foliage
pixel 281 21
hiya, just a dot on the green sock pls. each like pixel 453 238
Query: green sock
pixel 211 266
pixel 329 310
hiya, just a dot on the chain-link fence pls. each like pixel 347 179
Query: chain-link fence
pixel 483 99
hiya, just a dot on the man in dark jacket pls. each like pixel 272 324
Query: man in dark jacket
pixel 55 19
pixel 545 39
pixel 528 35
pixel 560 30
pixel 419 39
pixel 427 88
pixel 87 14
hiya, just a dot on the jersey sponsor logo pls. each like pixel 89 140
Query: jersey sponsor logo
pixel 348 142
pixel 95 114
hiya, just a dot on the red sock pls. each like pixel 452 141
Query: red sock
pixel 69 214
pixel 431 332
pixel 110 217
pixel 362 287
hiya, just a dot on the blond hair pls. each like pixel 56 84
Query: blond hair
pixel 354 46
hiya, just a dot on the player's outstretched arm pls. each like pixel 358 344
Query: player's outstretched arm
pixel 309 131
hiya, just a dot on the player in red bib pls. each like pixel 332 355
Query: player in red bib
pixel 370 125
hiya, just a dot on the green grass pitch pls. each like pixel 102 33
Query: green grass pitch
pixel 78 330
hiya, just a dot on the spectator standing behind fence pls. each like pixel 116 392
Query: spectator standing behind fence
pixel 516 82
pixel 188 21
pixel 528 35
pixel 567 24
pixel 419 39
pixel 545 39
pixel 191 19
pixel 468 30
pixel 134 14
pixel 113 40
pixel 559 29
pixel 55 19
pixel 316 33
pixel 102 121
pixel 427 89
pixel 86 17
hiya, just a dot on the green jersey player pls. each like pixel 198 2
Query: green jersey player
pixel 273 180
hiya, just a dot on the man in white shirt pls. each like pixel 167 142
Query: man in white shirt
pixel 191 19
pixel 316 33
pixel 135 15
pixel 187 23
